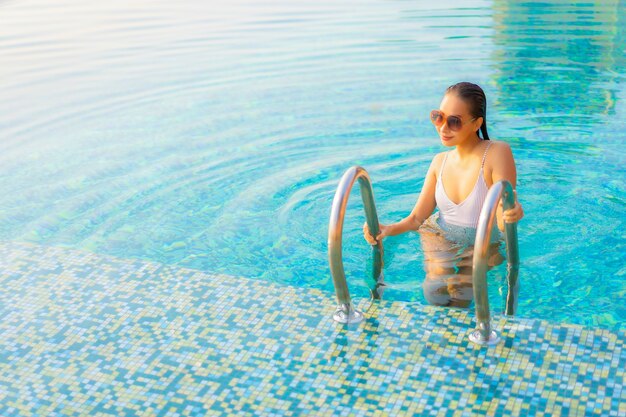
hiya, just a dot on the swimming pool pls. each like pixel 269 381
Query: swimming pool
pixel 214 137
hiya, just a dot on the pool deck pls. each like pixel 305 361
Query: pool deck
pixel 86 334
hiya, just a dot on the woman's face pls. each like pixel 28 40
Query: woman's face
pixel 453 105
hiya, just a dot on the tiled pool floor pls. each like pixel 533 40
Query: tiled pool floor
pixel 86 334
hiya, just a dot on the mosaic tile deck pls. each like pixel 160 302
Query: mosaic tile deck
pixel 85 334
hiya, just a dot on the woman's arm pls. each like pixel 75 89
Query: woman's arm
pixel 504 169
pixel 423 208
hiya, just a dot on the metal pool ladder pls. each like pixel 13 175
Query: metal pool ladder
pixel 500 190
pixel 346 313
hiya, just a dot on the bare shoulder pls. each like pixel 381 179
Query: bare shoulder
pixel 499 155
pixel 438 159
pixel 499 147
pixel 498 151
pixel 435 165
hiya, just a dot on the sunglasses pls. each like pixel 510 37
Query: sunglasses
pixel 454 122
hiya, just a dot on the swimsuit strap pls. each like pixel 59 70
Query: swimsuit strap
pixel 485 155
pixel 442 164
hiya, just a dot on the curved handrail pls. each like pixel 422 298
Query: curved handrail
pixel 345 312
pixel 500 190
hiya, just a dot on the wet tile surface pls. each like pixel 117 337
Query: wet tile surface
pixel 85 334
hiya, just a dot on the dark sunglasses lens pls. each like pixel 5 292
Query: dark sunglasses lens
pixel 436 117
pixel 454 123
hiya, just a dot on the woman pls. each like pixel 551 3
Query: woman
pixel 457 183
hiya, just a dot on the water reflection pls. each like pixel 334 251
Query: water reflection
pixel 448 260
pixel 558 58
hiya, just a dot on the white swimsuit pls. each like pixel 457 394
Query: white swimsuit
pixel 465 213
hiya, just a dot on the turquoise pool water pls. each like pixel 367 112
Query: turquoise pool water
pixel 213 136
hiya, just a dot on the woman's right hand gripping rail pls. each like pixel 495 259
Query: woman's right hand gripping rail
pixel 368 236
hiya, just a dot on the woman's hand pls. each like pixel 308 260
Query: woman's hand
pixel 370 239
pixel 512 215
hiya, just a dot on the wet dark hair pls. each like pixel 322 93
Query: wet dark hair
pixel 473 95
